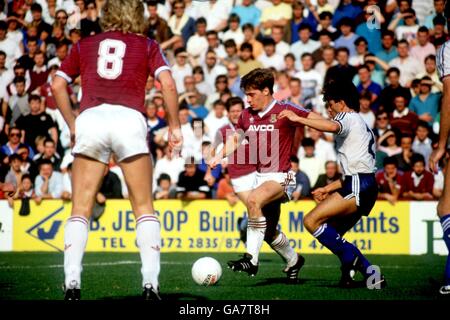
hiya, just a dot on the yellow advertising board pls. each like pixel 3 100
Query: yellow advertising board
pixel 203 226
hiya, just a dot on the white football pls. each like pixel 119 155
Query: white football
pixel 206 271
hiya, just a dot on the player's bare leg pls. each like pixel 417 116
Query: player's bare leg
pixel 443 210
pixel 333 208
pixel 257 224
pixel 87 176
pixel 137 171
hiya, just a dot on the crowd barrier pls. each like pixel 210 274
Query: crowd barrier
pixel 211 226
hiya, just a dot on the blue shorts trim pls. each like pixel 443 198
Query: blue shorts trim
pixel 363 187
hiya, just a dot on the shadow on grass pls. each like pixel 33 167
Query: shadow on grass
pixel 164 297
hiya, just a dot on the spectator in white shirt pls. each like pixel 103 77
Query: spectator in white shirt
pixel 270 58
pixel 211 68
pixel 9 46
pixel 181 68
pixel 365 100
pixel 234 30
pixel 197 44
pixel 281 47
pixel 305 44
pixel 423 47
pixel 216 119
pixel 327 62
pixel 409 67
pixel 312 81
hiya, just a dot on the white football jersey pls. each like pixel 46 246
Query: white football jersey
pixel 355 144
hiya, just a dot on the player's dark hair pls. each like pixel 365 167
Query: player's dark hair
pixel 390 160
pixel 258 79
pixel 233 101
pixel 342 90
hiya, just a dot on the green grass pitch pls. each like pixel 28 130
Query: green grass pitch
pixel 114 276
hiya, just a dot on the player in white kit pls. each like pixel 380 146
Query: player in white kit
pixel 343 202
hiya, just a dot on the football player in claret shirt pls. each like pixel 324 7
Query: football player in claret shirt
pixel 114 67
pixel 342 203
pixel 270 144
pixel 242 171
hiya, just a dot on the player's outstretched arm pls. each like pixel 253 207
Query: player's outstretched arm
pixel 313 120
pixel 444 129
pixel 59 91
pixel 170 96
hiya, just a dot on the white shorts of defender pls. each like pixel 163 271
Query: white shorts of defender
pixel 285 179
pixel 106 129
pixel 244 183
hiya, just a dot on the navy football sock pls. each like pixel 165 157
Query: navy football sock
pixel 445 222
pixel 346 251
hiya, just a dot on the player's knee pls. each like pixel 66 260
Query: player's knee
pixel 253 206
pixel 443 207
pixel 310 223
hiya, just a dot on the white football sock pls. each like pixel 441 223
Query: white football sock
pixel 75 239
pixel 256 230
pixel 282 247
pixel 148 236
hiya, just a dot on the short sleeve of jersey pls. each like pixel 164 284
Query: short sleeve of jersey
pixel 70 67
pixel 443 60
pixel 157 62
pixel 345 123
pixel 298 110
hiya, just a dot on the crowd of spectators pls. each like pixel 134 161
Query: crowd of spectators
pixel 386 47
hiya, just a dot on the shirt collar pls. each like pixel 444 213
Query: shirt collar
pixel 41 69
pixel 397 114
pixel 267 109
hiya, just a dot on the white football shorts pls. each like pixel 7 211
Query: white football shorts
pixel 244 183
pixel 106 129
pixel 285 179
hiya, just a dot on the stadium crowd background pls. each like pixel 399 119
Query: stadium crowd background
pixel 388 48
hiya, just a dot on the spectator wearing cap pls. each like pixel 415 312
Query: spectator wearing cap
pixel 299 18
pixel 270 58
pixel 305 44
pixel 426 104
pixel 409 67
pixel 8 46
pixel 403 118
pixel 423 47
pixel 191 183
pixel 234 30
pixel 247 61
pixel 278 14
pixel 49 183
pixel 431 71
pixel 366 29
pixel 181 68
pixel 348 37
pixel 389 181
pixel 418 183
pixel 180 23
